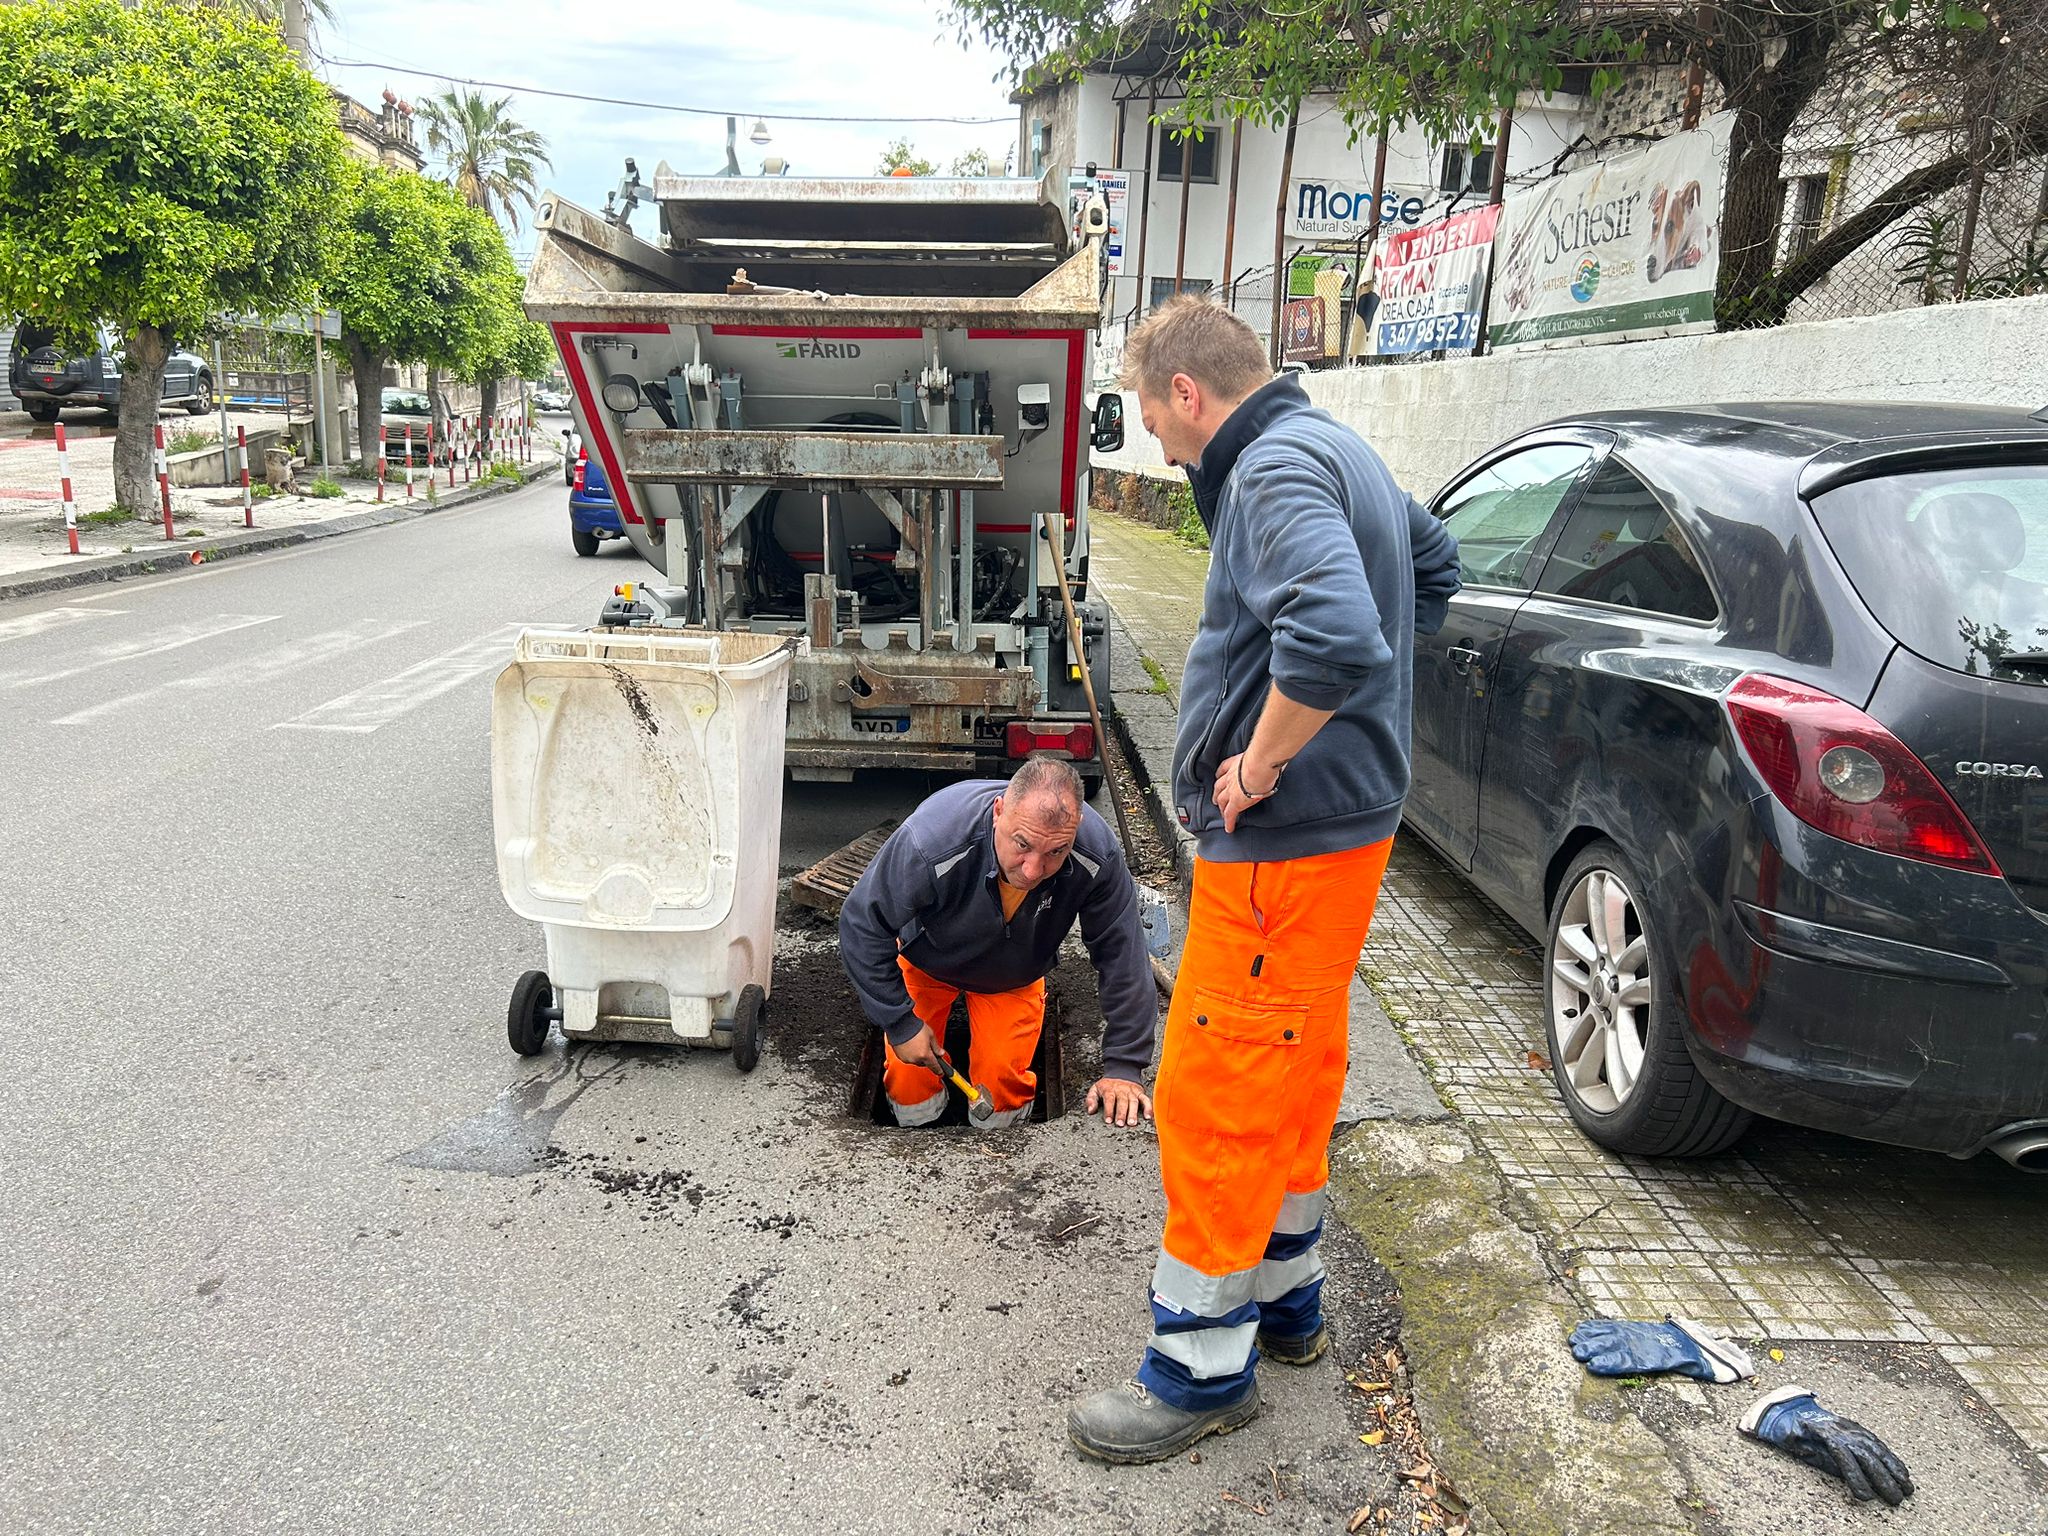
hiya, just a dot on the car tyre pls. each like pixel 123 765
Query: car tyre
pixel 1616 1024
pixel 43 410
pixel 586 543
pixel 202 402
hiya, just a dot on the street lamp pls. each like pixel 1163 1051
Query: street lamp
pixel 760 133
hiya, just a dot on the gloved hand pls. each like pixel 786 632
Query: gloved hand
pixel 1646 1349
pixel 1793 1421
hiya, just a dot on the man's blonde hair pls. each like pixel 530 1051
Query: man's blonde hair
pixel 1205 341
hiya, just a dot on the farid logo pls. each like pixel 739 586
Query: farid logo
pixel 813 349
pixel 1586 281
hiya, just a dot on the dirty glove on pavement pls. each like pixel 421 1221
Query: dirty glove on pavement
pixel 1646 1349
pixel 1793 1421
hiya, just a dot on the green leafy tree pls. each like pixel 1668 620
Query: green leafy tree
pixel 899 156
pixel 412 278
pixel 1449 67
pixel 158 165
pixel 974 162
pixel 491 159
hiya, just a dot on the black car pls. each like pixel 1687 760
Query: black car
pixel 1744 711
pixel 48 378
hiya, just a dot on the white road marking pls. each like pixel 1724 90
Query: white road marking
pixel 50 618
pixel 257 670
pixel 153 643
pixel 378 704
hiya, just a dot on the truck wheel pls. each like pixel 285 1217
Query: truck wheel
pixel 531 1012
pixel 747 1018
pixel 586 543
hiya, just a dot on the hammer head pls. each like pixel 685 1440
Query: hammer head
pixel 980 1109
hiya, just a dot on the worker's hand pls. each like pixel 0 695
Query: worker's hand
pixel 1122 1102
pixel 1234 796
pixel 922 1050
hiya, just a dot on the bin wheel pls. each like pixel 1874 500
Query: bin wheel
pixel 532 1011
pixel 746 1027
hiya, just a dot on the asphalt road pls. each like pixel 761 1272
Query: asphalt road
pixel 293 1242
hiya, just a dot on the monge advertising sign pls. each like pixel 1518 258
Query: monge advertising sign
pixel 1338 211
pixel 1431 283
pixel 1620 251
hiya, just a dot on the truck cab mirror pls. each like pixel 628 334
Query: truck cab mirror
pixel 1108 433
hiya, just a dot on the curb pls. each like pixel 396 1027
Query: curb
pixel 1144 722
pixel 229 546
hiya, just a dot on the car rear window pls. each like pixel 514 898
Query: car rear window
pixel 1954 562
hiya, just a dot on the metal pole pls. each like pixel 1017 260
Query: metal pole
pixel 163 480
pixel 1695 67
pixel 1145 199
pixel 1494 197
pixel 1280 233
pixel 320 396
pixel 1223 282
pixel 1187 165
pixel 242 453
pixel 220 398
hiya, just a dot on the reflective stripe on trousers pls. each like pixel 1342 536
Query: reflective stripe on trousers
pixel 1250 1079
pixel 1003 1037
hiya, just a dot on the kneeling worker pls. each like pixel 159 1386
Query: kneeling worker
pixel 973 894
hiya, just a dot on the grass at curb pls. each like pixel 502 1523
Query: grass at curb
pixel 1531 1441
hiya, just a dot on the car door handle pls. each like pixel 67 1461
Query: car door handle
pixel 1463 659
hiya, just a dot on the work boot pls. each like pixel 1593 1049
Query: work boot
pixel 1294 1349
pixel 1128 1424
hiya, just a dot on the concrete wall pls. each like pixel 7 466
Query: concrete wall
pixel 1429 419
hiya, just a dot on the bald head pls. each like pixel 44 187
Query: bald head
pixel 1036 821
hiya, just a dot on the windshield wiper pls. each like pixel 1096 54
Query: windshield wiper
pixel 2023 659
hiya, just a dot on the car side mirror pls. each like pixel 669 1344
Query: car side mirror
pixel 1108 434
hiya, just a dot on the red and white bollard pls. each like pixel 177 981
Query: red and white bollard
pixel 163 480
pixel 468 448
pixel 64 488
pixel 408 461
pixel 380 461
pixel 248 501
pixel 448 448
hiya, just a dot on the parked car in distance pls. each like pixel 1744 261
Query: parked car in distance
pixel 412 410
pixel 48 378
pixel 593 515
pixel 550 400
pixel 1743 711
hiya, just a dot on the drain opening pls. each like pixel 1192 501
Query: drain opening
pixel 870 1105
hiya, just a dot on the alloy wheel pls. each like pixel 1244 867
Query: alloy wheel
pixel 1600 991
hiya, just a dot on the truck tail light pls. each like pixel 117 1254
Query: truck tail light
pixel 582 458
pixel 1837 769
pixel 1024 737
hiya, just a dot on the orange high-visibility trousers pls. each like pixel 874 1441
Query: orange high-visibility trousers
pixel 1003 1037
pixel 1250 1079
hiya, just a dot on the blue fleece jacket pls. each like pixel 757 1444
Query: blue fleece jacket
pixel 1321 572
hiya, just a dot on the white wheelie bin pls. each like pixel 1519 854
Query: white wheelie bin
pixel 636 792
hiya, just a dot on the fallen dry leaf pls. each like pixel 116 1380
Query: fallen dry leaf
pixel 1377 1437
pixel 1372 1386
pixel 1778 1354
pixel 1538 1062
pixel 1357 1521
pixel 1420 1474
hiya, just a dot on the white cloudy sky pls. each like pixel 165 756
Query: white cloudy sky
pixel 844 58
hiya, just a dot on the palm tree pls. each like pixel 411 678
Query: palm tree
pixel 492 160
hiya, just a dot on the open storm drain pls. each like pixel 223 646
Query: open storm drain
pixel 1049 1064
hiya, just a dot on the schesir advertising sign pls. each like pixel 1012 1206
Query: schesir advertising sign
pixel 1620 251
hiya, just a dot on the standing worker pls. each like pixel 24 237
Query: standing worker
pixel 974 894
pixel 1290 769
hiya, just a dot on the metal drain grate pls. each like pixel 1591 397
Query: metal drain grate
pixel 827 883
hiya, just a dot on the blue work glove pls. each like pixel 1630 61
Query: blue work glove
pixel 1647 1349
pixel 1796 1424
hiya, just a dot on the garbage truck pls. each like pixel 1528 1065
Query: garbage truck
pixel 853 413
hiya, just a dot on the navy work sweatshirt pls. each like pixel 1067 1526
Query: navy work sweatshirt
pixel 1321 572
pixel 931 893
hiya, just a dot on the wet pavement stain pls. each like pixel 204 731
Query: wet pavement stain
pixel 514 1136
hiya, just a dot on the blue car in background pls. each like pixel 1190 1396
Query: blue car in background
pixel 593 515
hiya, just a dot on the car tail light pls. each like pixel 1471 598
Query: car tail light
pixel 1024 737
pixel 582 458
pixel 1837 769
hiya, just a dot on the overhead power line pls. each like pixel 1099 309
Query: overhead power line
pixel 645 106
